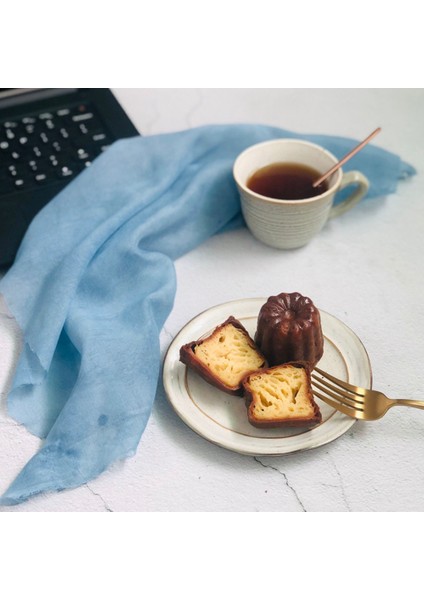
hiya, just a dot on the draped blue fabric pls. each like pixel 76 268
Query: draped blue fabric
pixel 94 281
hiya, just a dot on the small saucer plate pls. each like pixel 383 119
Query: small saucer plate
pixel 222 419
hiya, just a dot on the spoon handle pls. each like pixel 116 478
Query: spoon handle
pixel 347 157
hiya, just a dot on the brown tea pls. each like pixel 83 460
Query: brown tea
pixel 286 181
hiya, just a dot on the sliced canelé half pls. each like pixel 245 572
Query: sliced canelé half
pixel 281 395
pixel 225 357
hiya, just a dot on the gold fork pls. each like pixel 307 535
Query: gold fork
pixel 354 401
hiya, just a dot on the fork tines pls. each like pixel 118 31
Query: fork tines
pixel 348 387
pixel 338 394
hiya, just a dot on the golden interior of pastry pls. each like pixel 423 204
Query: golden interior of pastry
pixel 281 393
pixel 229 354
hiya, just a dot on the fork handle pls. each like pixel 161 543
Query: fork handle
pixel 413 403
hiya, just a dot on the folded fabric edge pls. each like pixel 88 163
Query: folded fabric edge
pixel 406 170
pixel 27 354
pixel 13 498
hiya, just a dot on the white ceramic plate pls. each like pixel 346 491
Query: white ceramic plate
pixel 222 419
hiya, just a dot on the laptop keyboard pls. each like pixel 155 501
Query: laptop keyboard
pixel 47 147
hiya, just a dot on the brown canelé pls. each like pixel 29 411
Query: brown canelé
pixel 289 329
pixel 281 395
pixel 225 357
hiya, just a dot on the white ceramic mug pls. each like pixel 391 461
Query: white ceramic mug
pixel 289 224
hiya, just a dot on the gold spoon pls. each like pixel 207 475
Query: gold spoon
pixel 346 158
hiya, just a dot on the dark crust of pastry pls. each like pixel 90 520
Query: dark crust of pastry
pixel 189 358
pixel 294 422
pixel 289 329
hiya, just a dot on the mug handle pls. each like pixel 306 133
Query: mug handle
pixel 350 201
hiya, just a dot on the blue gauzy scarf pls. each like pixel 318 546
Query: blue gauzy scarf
pixel 94 282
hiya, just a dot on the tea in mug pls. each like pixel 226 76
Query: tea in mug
pixel 286 181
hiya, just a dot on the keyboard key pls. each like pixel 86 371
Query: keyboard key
pixel 17 171
pixel 99 137
pixel 20 184
pixel 64 172
pixel 40 178
pixel 93 126
pixel 82 117
pixel 82 154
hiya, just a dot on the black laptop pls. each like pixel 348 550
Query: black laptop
pixel 47 136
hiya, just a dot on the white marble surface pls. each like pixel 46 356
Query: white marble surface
pixel 365 268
